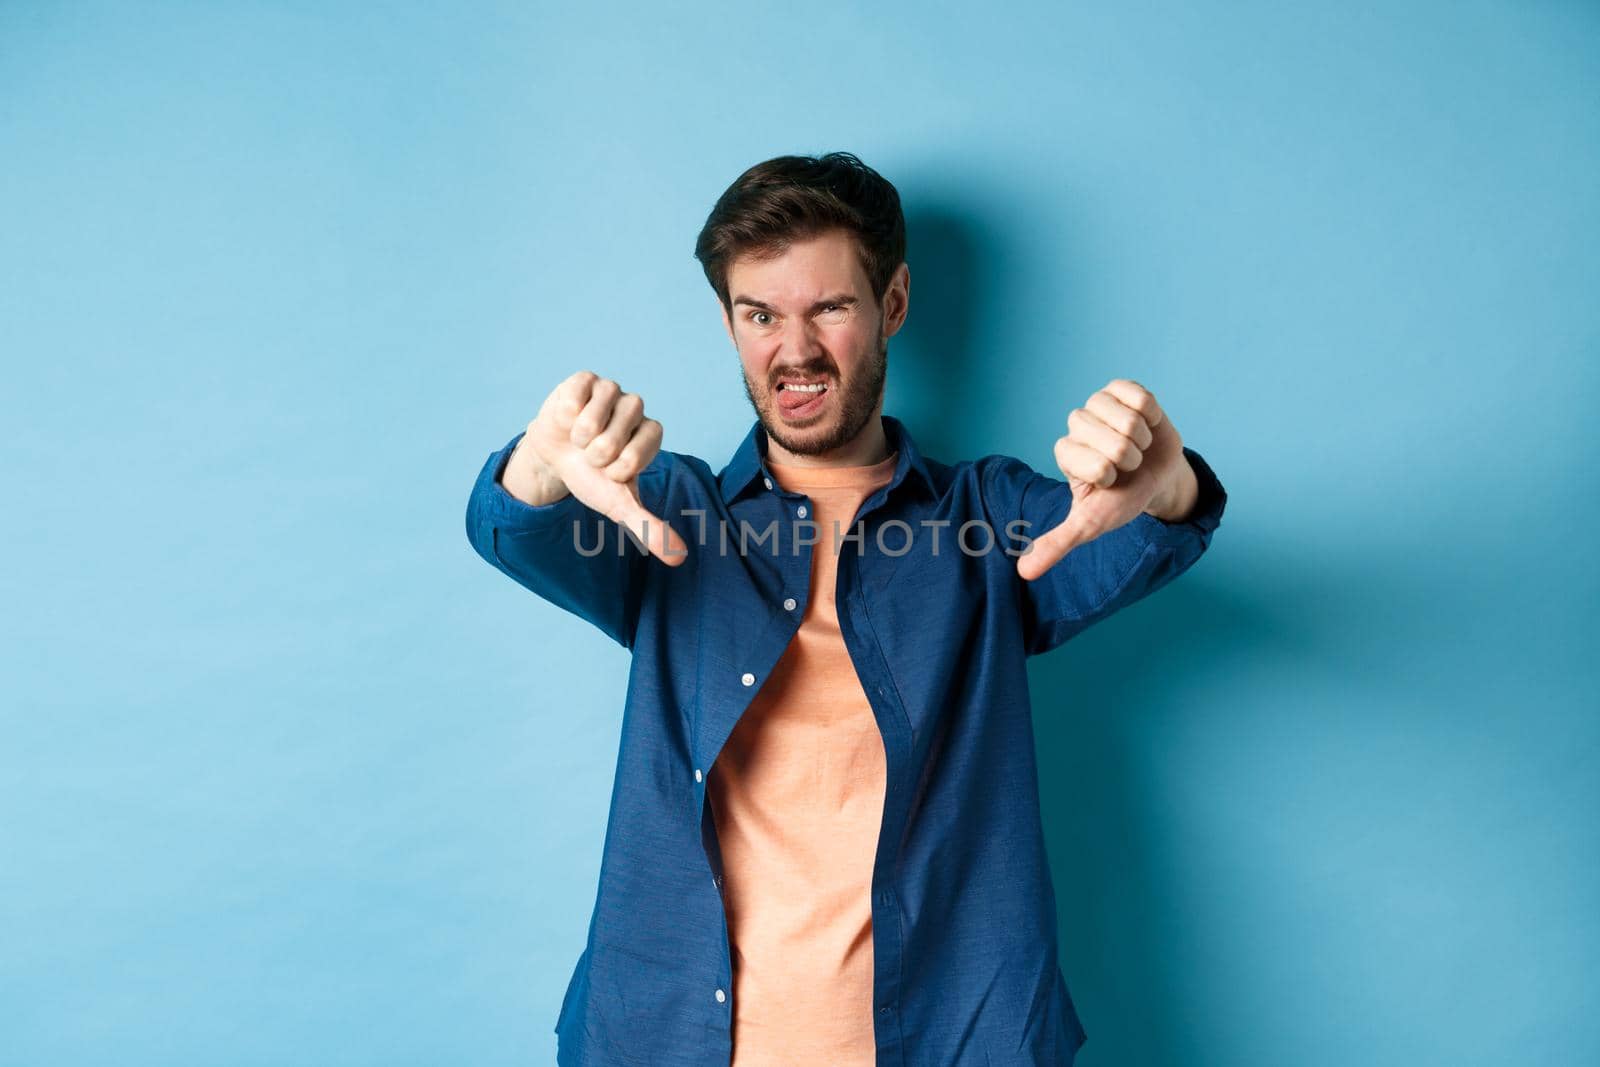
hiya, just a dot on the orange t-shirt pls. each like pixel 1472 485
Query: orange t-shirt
pixel 797 795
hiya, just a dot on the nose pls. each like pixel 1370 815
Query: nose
pixel 800 341
pixel 799 346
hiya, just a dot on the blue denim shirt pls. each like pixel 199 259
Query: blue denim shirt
pixel 939 630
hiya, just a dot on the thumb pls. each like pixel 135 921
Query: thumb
pixel 659 538
pixel 1079 527
pixel 1046 551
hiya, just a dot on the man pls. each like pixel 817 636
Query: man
pixel 824 843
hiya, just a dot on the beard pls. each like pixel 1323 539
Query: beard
pixel 856 401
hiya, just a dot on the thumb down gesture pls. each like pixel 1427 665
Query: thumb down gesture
pixel 1122 456
pixel 594 439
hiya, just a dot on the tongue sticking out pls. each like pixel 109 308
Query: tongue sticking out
pixel 791 400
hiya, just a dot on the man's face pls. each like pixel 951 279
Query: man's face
pixel 812 341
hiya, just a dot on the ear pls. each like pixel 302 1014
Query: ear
pixel 897 300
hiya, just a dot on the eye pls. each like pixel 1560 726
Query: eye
pixel 753 315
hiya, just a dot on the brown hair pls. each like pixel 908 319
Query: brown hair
pixel 790 197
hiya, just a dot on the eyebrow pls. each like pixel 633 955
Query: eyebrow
pixel 843 299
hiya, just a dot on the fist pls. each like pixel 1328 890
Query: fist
pixel 595 439
pixel 1122 456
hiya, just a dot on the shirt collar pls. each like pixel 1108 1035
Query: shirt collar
pixel 749 461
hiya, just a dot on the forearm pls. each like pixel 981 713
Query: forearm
pixel 560 549
pixel 1117 568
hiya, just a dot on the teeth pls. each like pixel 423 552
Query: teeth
pixel 817 388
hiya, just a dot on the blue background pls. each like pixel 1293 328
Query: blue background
pixel 290 776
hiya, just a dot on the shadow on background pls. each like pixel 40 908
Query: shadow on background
pixel 934 367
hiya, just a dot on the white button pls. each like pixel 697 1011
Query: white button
pixel 768 482
pixel 721 996
pixel 801 511
pixel 697 774
pixel 788 604
pixel 748 679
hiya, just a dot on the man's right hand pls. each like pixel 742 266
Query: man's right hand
pixel 592 439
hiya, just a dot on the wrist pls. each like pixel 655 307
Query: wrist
pixel 529 479
pixel 1178 502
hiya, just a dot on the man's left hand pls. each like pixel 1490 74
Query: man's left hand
pixel 1122 456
